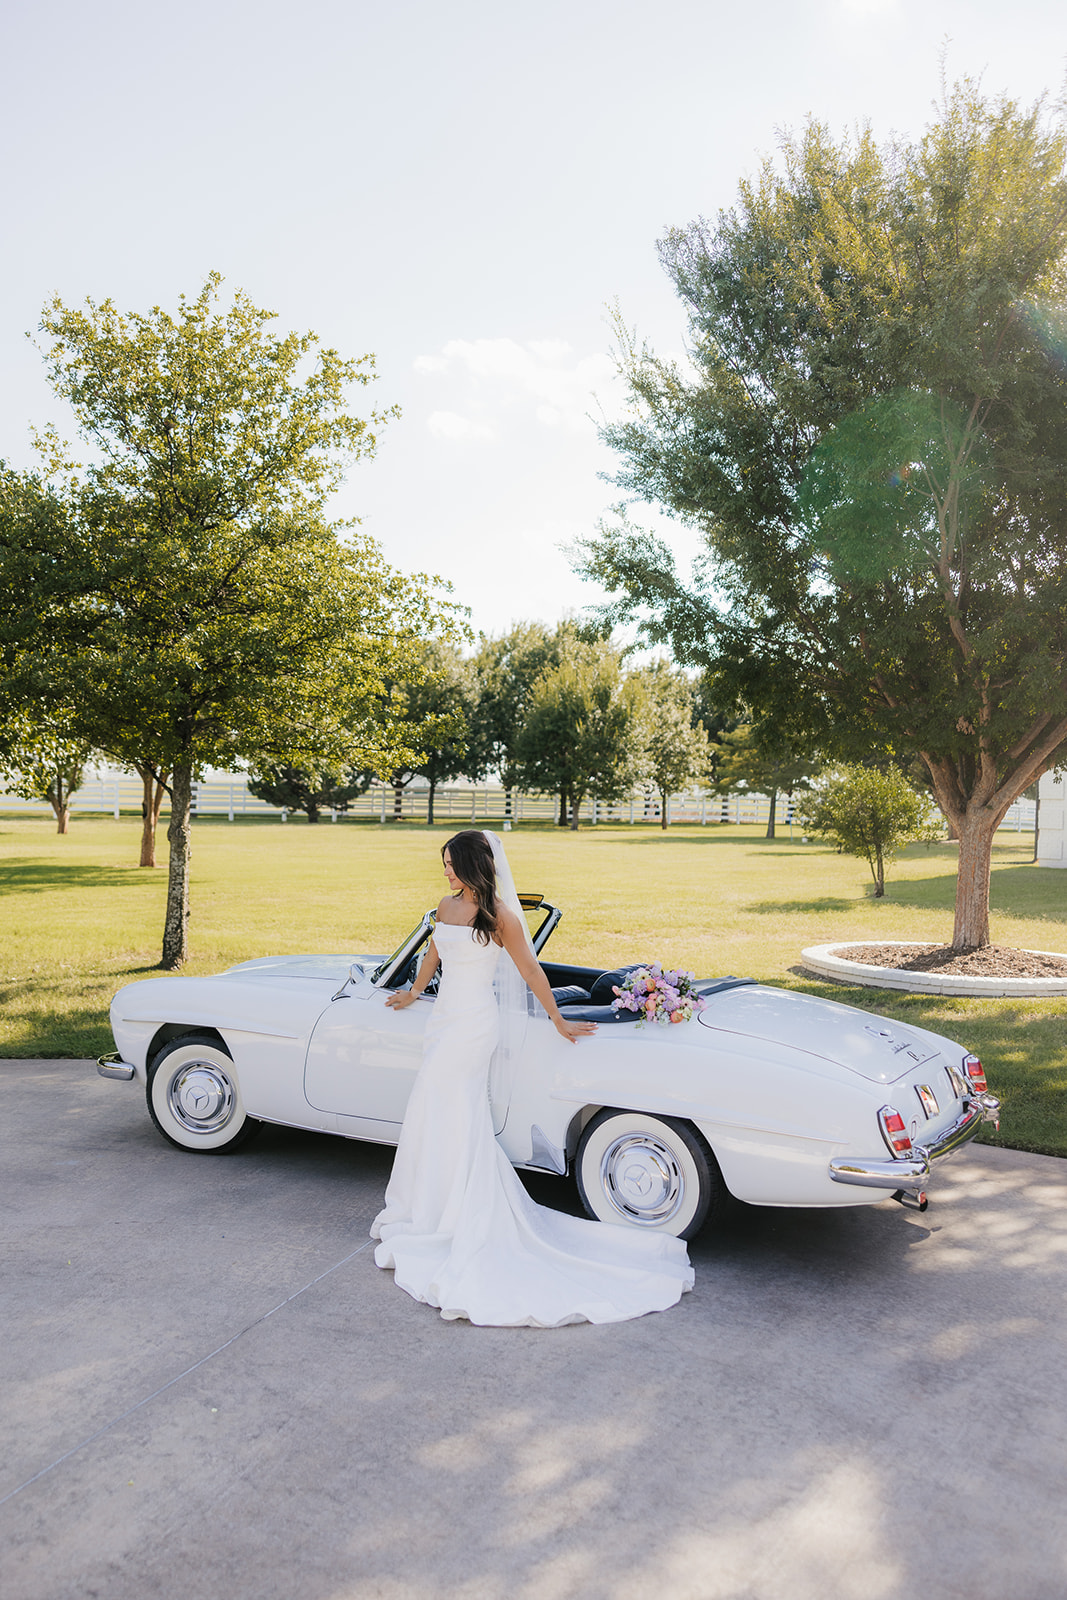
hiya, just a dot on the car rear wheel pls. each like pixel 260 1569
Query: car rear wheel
pixel 194 1097
pixel 651 1172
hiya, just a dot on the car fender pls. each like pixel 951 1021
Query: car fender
pixel 773 1115
pixel 264 1020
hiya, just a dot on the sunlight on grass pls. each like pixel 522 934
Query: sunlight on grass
pixel 78 918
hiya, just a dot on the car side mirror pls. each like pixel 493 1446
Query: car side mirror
pixel 355 973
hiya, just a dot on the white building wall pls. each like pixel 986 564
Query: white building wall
pixel 1052 821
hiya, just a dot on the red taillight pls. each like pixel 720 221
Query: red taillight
pixel 894 1132
pixel 976 1073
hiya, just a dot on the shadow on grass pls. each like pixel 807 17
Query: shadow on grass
pixel 1020 891
pixel 38 1030
pixel 21 876
pixel 61 1014
pixel 826 903
pixel 1024 891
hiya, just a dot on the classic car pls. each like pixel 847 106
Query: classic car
pixel 773 1097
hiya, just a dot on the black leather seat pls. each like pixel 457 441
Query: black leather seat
pixel 602 992
pixel 594 1005
pixel 572 994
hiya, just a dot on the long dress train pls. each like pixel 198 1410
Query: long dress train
pixel 459 1229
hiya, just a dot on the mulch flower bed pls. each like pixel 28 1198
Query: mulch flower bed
pixel 992 961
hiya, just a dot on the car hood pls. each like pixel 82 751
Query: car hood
pixel 874 1047
pixel 333 968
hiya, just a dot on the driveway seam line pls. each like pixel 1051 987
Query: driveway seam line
pixel 73 1451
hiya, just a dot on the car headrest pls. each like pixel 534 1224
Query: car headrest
pixel 602 991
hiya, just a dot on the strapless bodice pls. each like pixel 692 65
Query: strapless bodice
pixel 459 946
pixel 467 967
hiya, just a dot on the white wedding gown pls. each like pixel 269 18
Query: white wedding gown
pixel 458 1227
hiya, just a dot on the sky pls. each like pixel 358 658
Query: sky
pixel 463 187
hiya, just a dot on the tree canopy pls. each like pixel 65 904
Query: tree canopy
pixel 436 705
pixel 674 746
pixel 870 814
pixel 507 666
pixel 759 757
pixel 872 440
pixel 580 735
pixel 193 588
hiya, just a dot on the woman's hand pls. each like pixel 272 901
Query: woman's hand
pixel 573 1031
pixel 400 999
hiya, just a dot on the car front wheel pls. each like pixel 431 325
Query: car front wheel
pixel 194 1097
pixel 650 1172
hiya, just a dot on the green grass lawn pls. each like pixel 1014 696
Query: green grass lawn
pixel 78 918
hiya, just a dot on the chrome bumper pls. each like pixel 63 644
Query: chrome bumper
pixel 113 1066
pixel 909 1173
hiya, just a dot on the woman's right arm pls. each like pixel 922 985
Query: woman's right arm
pixel 400 999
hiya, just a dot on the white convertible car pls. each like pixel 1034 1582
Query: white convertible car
pixel 776 1098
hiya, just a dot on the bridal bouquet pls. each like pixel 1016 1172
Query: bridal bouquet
pixel 660 996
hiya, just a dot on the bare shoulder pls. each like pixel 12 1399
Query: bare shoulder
pixel 507 923
pixel 447 911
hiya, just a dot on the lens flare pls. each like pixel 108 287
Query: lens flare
pixel 1048 327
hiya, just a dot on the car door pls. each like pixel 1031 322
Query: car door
pixel 362 1061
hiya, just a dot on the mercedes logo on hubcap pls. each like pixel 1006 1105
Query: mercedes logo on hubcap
pixel 638 1180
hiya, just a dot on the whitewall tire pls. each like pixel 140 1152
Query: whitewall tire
pixel 194 1097
pixel 653 1173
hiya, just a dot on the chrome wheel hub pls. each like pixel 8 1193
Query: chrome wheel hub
pixel 642 1179
pixel 201 1097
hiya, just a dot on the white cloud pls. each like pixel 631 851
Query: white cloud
pixel 544 371
pixel 450 425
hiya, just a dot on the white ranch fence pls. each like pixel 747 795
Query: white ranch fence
pixel 115 794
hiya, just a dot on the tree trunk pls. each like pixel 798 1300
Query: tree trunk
pixel 154 787
pixel 60 803
pixel 576 806
pixel 398 802
pixel 148 821
pixel 663 809
pixel 429 806
pixel 312 811
pixel 563 808
pixel 176 926
pixel 773 813
pixel 976 830
pixel 879 873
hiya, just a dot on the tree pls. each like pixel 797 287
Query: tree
pixel 675 751
pixel 436 706
pixel 760 757
pixel 45 764
pixel 872 444
pixel 296 790
pixel 506 668
pixel 154 788
pixel 204 605
pixel 580 733
pixel 869 813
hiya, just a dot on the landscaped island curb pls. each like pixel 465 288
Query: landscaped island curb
pixel 821 960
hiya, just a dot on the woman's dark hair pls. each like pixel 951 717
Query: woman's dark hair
pixel 472 862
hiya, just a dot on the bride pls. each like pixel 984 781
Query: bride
pixel 458 1228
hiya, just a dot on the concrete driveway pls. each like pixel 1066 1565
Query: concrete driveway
pixel 210 1391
